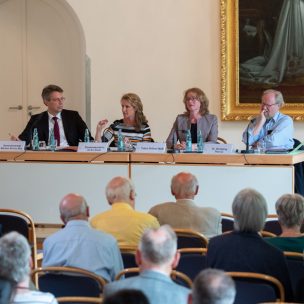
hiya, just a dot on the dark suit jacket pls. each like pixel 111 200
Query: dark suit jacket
pixel 240 251
pixel 73 125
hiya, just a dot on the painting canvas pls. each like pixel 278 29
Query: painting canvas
pixel 262 48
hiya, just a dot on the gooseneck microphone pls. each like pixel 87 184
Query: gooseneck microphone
pixel 248 151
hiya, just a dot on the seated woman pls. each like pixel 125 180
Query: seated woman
pixel 290 211
pixel 244 249
pixel 134 125
pixel 195 118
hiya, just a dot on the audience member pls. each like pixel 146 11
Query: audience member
pixel 156 257
pixel 15 265
pixel 127 296
pixel 212 286
pixel 79 245
pixel 196 118
pixel 184 213
pixel 69 125
pixel 134 125
pixel 290 211
pixel 122 221
pixel 244 249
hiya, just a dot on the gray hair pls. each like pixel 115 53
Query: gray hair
pixel 15 256
pixel 69 212
pixel 277 94
pixel 290 210
pixel 159 245
pixel 249 209
pixel 213 286
pixel 119 189
pixel 184 184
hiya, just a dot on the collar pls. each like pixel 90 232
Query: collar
pixel 73 223
pixel 51 116
pixel 121 205
pixel 275 117
pixel 155 274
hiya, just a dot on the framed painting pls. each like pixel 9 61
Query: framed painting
pixel 262 47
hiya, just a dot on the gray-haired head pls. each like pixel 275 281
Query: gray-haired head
pixel 277 95
pixel 120 189
pixel 290 210
pixel 158 246
pixel 15 255
pixel 73 206
pixel 213 286
pixel 184 185
pixel 249 210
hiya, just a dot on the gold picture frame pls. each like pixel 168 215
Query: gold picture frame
pixel 233 107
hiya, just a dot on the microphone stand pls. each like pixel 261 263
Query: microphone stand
pixel 248 151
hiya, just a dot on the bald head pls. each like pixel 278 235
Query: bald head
pixel 73 207
pixel 120 189
pixel 184 185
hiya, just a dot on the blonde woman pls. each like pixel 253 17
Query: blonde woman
pixel 134 124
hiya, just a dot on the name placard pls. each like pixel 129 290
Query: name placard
pixel 93 147
pixel 218 148
pixel 9 145
pixel 150 147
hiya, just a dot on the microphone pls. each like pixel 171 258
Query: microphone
pixel 248 151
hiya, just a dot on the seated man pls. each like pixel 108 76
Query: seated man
pixel 212 286
pixel 79 245
pixel 184 213
pixel 15 265
pixel 156 256
pixel 122 221
pixel 68 126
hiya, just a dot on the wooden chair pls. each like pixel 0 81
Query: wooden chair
pixel 16 220
pixel 256 287
pixel 267 234
pixel 128 256
pixel 272 224
pixel 79 300
pixel 187 238
pixel 69 281
pixel 192 261
pixel 178 277
pixel 227 221
pixel 295 264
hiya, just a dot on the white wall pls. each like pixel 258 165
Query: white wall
pixel 156 48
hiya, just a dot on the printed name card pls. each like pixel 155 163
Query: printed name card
pixel 150 147
pixel 8 145
pixel 93 147
pixel 218 148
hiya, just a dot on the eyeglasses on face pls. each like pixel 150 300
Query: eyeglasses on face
pixel 192 98
pixel 268 105
pixel 58 99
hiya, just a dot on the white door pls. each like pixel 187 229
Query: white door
pixel 41 44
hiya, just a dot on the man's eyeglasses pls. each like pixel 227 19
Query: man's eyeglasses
pixel 268 105
pixel 58 99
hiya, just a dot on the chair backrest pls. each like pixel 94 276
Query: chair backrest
pixel 295 264
pixel 16 220
pixel 79 300
pixel 128 256
pixel 187 238
pixel 252 288
pixel 69 281
pixel 192 261
pixel 176 276
pixel 267 234
pixel 227 221
pixel 272 224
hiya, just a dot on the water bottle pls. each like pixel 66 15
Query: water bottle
pixel 120 142
pixel 87 135
pixel 35 142
pixel 200 143
pixel 52 142
pixel 188 141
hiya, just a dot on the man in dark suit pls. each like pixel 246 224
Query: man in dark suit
pixel 70 124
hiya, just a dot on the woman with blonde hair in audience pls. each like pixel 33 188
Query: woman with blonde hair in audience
pixel 290 211
pixel 134 124
pixel 196 118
